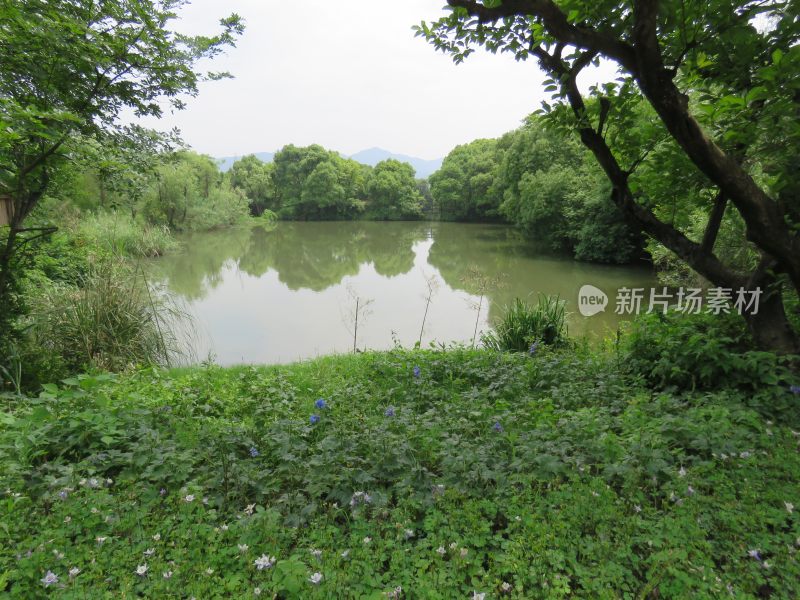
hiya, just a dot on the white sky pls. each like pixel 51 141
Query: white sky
pixel 349 75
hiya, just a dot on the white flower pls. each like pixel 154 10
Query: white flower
pixel 505 586
pixel 367 540
pixel 150 552
pixel 93 483
pixel 789 507
pixel 595 494
pixel 408 533
pixel 518 518
pixel 257 591
pixel 109 481
pixel 637 508
pixel 167 574
pixel 141 570
pixel 682 472
pixel 189 497
pixel 243 548
pixel 101 539
pixel 690 490
pixel 94 511
pixel 209 571
pixel 345 554
pixel 441 550
pixel 744 454
pixel 249 509
pixel 453 545
pixel 205 499
pixel 395 593
pixel 74 572
pixel 49 579
pixel 316 553
pixel 463 553
pixel 157 537
pixel 58 555
pixel 264 562
pixel 82 482
pixel 224 528
pixel 315 578
pixel 67 519
pixel 477 596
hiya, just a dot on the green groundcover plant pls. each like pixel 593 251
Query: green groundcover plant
pixel 407 474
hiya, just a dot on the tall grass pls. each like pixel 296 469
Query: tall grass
pixel 121 234
pixel 523 325
pixel 110 321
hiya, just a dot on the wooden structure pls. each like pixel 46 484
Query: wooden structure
pixel 5 210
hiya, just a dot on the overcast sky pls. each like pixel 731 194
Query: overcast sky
pixel 349 75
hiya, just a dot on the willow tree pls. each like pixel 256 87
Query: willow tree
pixel 68 68
pixel 706 102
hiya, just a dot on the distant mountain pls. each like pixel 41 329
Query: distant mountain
pixel 371 157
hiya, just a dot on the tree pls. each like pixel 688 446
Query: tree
pixel 393 192
pixel 711 85
pixel 462 186
pixel 67 70
pixel 254 178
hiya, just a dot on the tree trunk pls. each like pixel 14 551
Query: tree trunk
pixel 770 328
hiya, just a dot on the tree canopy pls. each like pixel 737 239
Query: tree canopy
pixel 707 98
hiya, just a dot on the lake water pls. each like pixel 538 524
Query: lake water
pixel 274 295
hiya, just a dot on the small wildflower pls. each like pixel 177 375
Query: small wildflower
pixel 534 347
pixel 254 452
pixel 100 539
pixel 441 550
pixel 367 540
pixel 205 499
pixel 320 403
pixel 682 472
pixel 58 555
pixel 477 596
pixel 637 508
pixel 497 427
pixel 49 579
pixel 162 492
pixel 744 454
pixel 249 509
pixel 157 537
pixel 150 552
pixel 82 482
pixel 74 572
pixel 264 562
pixel 315 578
pixel 437 490
pixel 257 591
pixel 505 587
pixel 224 527
pixel 463 553
pixel 789 507
pixel 754 554
pixel 189 498
pixel 167 574
pixel 389 412
pixel 453 545
pixel 141 570
pixel 93 483
pixel 408 534
pixel 109 481
pixel 518 518
pixel 94 510
pixel 67 519
pixel 795 389
pixel 345 554
pixel 209 571
pixel 243 548
pixel 63 494
pixel 360 498
pixel 316 553
pixel 690 491
pixel 417 372
pixel 314 419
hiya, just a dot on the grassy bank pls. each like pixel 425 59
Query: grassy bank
pixel 441 473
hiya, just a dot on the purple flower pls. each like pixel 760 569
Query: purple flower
pixel 321 403
pixel 162 492
pixel 534 347
pixel 497 427
pixel 795 389
pixel 63 494
pixel 254 452
pixel 389 411
pixel 314 419
pixel 754 554
pixel 417 372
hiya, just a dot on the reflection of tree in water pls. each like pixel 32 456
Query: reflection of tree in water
pixel 197 267
pixel 310 255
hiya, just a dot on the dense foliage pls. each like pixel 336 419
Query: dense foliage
pixel 422 474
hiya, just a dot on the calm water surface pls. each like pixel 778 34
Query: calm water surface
pixel 274 295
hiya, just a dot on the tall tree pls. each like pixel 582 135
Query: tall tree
pixel 67 69
pixel 710 84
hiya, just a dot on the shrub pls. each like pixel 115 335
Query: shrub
pixel 118 233
pixel 523 325
pixel 109 320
